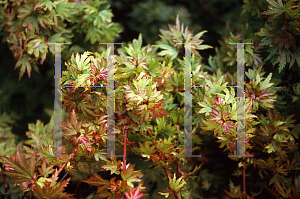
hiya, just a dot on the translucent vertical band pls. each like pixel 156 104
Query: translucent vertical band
pixel 188 141
pixel 110 141
pixel 240 143
pixel 57 101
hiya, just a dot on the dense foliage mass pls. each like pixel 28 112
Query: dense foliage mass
pixel 149 106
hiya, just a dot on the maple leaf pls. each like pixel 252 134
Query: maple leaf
pixel 98 181
pixel 219 101
pixel 113 165
pixel 50 188
pixel 134 194
pixel 275 9
pixel 140 62
pixel 176 185
pixel 223 119
pixel 98 73
pixel 73 129
pixel 146 150
pixel 131 175
pixel 158 110
pixel 18 167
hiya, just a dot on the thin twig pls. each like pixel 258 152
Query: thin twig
pixel 124 152
pixel 210 13
pixel 64 177
pixel 167 173
pixel 149 132
pixel 61 168
pixel 77 186
pixel 178 170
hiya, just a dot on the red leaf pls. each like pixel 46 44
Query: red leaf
pixel 134 194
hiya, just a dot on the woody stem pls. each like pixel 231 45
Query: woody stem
pixel 167 173
pixel 124 152
pixel 61 168
pixel 149 132
pixel 178 170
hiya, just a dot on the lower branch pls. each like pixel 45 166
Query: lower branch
pixel 211 14
pixel 124 152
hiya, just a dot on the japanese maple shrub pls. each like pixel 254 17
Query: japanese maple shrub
pixel 149 124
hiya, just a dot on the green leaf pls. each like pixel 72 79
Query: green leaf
pixel 62 8
pixel 265 84
pixel 175 185
pixel 168 50
pixel 270 148
pixel 25 64
pixel 275 9
pixel 131 176
pixel 46 4
pixel 164 194
pixel 94 35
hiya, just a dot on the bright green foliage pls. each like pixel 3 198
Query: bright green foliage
pixel 172 41
pixel 31 24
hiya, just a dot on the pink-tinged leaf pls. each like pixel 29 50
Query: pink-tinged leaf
pixel 18 167
pixel 134 194
pixel 72 127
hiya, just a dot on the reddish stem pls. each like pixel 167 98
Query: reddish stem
pixel 77 186
pixel 124 152
pixel 149 132
pixel 61 168
pixel 167 173
pixel 179 175
pixel 178 170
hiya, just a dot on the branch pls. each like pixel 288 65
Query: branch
pixel 64 177
pixel 77 186
pixel 211 14
pixel 124 152
pixel 61 168
pixel 149 132
pixel 178 170
pixel 167 173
